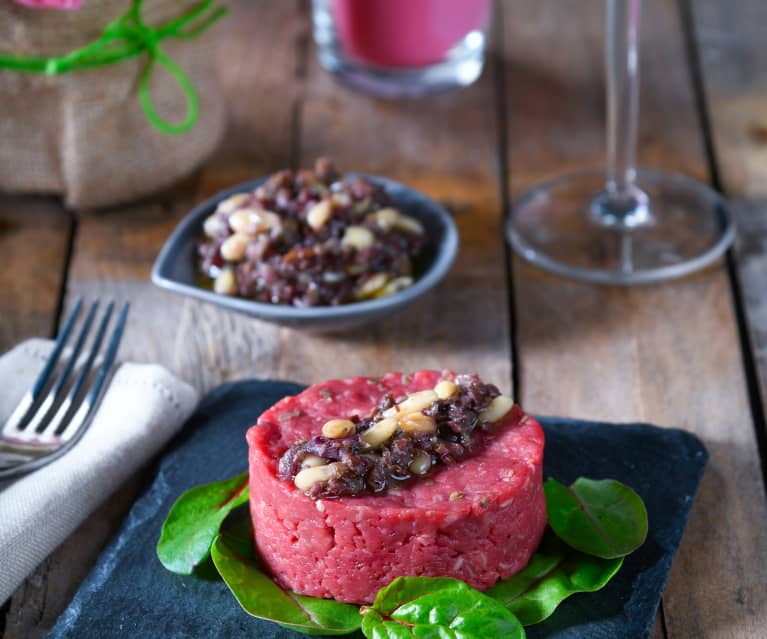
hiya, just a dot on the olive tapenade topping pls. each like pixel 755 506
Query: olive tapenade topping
pixel 399 440
pixel 310 238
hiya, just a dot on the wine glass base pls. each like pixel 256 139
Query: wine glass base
pixel 554 227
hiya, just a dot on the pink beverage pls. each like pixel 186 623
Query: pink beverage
pixel 406 33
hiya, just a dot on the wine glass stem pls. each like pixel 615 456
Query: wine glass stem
pixel 622 82
pixel 622 204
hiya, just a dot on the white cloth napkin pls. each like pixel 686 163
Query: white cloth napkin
pixel 143 406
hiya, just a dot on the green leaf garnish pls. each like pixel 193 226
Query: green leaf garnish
pixel 604 518
pixel 260 596
pixel 553 573
pixel 437 608
pixel 193 522
pixel 597 523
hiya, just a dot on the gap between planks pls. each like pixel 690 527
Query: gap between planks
pixel 748 347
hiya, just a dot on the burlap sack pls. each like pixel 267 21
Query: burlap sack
pixel 83 134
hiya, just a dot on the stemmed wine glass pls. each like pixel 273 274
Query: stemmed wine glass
pixel 623 225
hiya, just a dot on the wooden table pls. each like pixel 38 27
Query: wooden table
pixel 690 353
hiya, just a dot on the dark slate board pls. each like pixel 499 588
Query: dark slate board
pixel 129 594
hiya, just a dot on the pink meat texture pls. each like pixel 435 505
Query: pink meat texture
pixel 349 548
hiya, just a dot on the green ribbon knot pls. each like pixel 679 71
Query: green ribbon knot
pixel 127 37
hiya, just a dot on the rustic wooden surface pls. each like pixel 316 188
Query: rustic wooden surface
pixel 734 60
pixel 34 242
pixel 669 354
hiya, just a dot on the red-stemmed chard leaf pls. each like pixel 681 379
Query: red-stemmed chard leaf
pixel 260 596
pixel 437 608
pixel 604 518
pixel 553 573
pixel 194 520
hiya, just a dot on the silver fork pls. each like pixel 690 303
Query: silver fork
pixel 56 411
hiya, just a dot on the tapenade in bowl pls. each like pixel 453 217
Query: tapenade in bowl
pixel 310 248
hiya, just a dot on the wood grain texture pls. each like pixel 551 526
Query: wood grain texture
pixel 730 47
pixel 751 261
pixel 733 61
pixel 113 255
pixel 667 354
pixel 34 238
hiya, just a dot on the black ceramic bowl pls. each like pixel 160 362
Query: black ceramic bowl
pixel 175 268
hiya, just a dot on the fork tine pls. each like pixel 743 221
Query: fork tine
pixel 18 457
pixel 57 420
pixel 91 400
pixel 55 393
pixel 30 397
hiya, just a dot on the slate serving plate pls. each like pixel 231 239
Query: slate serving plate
pixel 175 270
pixel 129 593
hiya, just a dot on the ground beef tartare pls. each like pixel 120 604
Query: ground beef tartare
pixel 341 506
pixel 310 238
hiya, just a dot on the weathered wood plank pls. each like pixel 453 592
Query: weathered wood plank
pixel 730 42
pixel 751 262
pixel 34 236
pixel 113 254
pixel 733 60
pixel 667 354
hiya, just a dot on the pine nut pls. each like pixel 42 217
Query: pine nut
pixel 232 202
pixel 445 389
pixel 395 286
pixel 253 221
pixel 358 237
pixel 233 248
pixel 497 409
pixel 414 403
pixel 215 226
pixel 371 286
pixel 311 461
pixel 381 431
pixel 421 464
pixel 342 199
pixel 243 221
pixel 360 207
pixel 306 478
pixel 319 214
pixel 386 218
pixel 417 423
pixel 225 283
pixel 338 428
pixel 409 225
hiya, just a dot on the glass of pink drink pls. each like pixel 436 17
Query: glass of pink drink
pixel 396 48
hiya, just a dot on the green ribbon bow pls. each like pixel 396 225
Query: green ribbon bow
pixel 128 37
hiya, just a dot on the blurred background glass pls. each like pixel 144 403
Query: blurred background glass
pixel 396 48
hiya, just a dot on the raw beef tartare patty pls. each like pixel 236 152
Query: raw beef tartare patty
pixel 477 520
